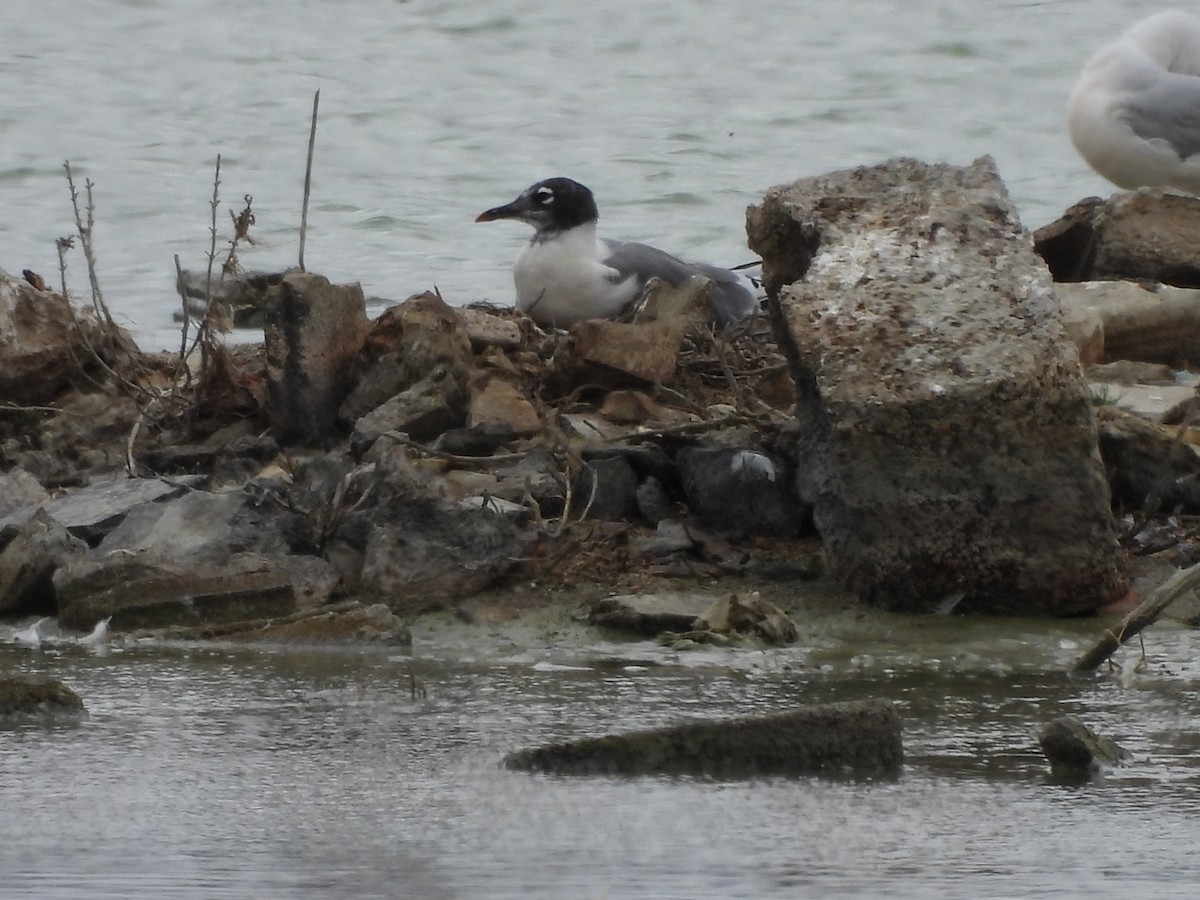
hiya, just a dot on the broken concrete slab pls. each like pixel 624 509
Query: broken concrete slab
pixel 947 441
pixel 1149 234
pixel 314 331
pixel 1115 320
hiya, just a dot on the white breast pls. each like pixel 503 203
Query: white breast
pixel 564 280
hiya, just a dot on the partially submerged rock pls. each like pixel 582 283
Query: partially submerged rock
pixel 25 698
pixel 946 436
pixel 1077 752
pixel 862 738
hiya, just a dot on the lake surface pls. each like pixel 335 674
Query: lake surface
pixel 678 115
pixel 219 771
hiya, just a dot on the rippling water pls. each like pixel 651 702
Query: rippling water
pixel 229 773
pixel 678 115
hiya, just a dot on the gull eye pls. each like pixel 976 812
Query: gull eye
pixel 544 196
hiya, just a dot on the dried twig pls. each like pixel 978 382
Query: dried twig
pixel 467 461
pixel 85 240
pixel 312 140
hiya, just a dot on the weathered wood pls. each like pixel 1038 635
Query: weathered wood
pixel 1145 615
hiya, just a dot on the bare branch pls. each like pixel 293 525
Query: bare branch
pixel 312 140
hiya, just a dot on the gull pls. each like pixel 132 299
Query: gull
pixel 99 635
pixel 567 273
pixel 31 635
pixel 1134 113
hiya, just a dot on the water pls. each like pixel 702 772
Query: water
pixel 225 772
pixel 678 116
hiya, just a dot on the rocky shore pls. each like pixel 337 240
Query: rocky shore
pixel 910 418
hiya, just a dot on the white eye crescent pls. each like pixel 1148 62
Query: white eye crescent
pixel 544 195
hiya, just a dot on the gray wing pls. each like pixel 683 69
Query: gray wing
pixel 732 300
pixel 1168 111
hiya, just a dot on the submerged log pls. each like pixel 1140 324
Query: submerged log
pixel 862 738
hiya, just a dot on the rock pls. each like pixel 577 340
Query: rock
pixel 432 406
pixel 1075 751
pixel 18 490
pixel 1148 323
pixel 740 491
pixel 200 559
pixel 614 354
pixel 862 738
pixel 947 442
pixel 1156 403
pixel 44 343
pixel 419 550
pixel 156 593
pixel 26 698
pixel 476 440
pixel 1149 467
pixel 91 512
pixel 86 440
pixel 28 563
pixel 1129 372
pixel 314 331
pixel 749 614
pixel 649 614
pixel 1148 234
pixel 497 401
pixel 606 489
pixel 484 329
pixel 536 475
pixel 423 341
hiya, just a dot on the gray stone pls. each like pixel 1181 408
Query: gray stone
pixel 314 331
pixel 418 550
pixel 606 489
pixel 1075 751
pixel 740 492
pixel 28 563
pixel 25 698
pixel 91 512
pixel 406 346
pixel 947 440
pixel 20 490
pixel 863 738
pixel 199 559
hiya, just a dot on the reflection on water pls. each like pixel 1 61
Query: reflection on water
pixel 220 772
